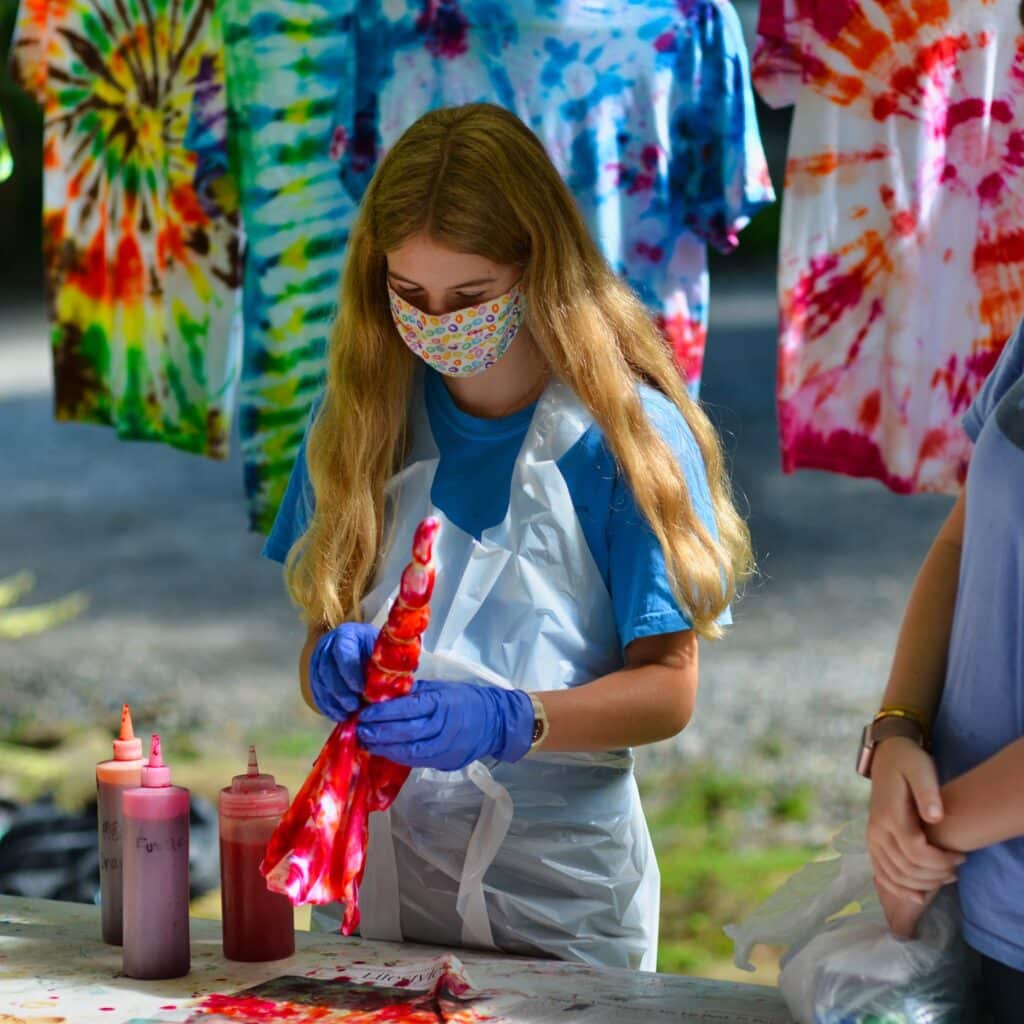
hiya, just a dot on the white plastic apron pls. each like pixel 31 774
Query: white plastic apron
pixel 550 855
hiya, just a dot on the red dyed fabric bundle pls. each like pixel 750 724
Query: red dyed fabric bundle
pixel 318 852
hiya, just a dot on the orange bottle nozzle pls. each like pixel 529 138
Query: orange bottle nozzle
pixel 127 747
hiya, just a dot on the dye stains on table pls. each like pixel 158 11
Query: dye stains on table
pixel 296 1000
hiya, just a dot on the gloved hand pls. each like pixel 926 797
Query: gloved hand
pixel 448 725
pixel 336 668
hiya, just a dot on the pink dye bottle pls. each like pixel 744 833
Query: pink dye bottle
pixel 156 937
pixel 112 779
pixel 258 924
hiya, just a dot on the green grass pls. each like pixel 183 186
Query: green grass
pixel 713 834
pixel 297 743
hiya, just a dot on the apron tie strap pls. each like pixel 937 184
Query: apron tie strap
pixel 382 918
pixel 488 834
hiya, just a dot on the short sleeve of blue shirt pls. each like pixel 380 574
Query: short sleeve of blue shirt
pixel 1007 371
pixel 624 546
pixel 717 176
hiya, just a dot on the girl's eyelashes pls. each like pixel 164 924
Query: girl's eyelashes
pixel 465 298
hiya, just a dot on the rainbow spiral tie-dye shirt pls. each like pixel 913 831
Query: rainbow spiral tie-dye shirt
pixel 141 232
pixel 901 270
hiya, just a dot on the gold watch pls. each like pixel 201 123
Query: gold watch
pixel 541 725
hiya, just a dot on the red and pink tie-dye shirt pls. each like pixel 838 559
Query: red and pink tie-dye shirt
pixel 901 270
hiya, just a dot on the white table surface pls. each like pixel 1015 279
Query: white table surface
pixel 54 968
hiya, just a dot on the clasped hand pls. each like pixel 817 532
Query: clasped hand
pixel 907 867
pixel 437 725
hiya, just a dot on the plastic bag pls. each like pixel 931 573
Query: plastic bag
pixel 851 969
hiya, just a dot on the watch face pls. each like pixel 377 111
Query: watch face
pixel 866 752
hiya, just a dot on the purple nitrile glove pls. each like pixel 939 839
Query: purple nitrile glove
pixel 448 725
pixel 336 669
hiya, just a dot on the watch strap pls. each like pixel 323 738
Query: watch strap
pixel 887 726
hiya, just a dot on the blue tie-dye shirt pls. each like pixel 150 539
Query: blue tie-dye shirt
pixel 645 107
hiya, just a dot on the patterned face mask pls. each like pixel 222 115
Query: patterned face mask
pixel 465 342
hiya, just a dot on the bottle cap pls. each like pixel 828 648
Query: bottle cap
pixel 253 795
pixel 128 746
pixel 155 774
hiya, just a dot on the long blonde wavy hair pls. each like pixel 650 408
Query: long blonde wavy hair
pixel 476 180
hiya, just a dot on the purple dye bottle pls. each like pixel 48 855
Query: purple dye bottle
pixel 112 779
pixel 156 936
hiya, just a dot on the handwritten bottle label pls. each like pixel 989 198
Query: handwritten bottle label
pixel 168 844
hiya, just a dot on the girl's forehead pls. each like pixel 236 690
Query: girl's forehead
pixel 433 265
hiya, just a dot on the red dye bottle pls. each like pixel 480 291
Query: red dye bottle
pixel 113 777
pixel 258 924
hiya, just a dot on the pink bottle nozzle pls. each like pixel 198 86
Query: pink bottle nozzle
pixel 128 746
pixel 155 774
pixel 254 765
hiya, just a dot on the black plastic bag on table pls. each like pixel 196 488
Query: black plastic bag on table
pixel 48 853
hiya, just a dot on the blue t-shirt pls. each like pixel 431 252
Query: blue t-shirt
pixel 474 479
pixel 982 707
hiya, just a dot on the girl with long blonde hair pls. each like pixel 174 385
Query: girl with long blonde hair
pixel 489 368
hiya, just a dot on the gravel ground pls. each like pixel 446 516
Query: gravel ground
pixel 190 624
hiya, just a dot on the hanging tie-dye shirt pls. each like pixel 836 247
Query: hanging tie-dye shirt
pixel 644 105
pixel 285 61
pixel 141 239
pixel 901 271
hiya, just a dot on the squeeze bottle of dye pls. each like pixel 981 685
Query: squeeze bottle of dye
pixel 112 778
pixel 156 938
pixel 258 924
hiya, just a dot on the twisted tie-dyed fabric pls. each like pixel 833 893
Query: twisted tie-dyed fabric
pixel 317 853
pixel 141 228
pixel 901 269
pixel 644 105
